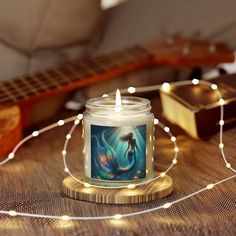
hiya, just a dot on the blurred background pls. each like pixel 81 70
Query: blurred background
pixel 41 34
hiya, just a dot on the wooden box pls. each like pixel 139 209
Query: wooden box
pixel 196 109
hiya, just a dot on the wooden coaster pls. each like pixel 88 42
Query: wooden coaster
pixel 145 193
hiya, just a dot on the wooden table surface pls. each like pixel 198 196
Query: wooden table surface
pixel 32 183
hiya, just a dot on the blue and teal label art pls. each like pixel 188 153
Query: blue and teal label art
pixel 118 153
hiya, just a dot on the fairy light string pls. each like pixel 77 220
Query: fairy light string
pixel 77 120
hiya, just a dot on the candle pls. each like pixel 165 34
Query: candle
pixel 118 140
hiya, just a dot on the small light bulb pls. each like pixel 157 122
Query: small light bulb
pixel 117 217
pixel 167 205
pixel 131 186
pixel 63 152
pixel 195 81
pixel 165 87
pixel 174 161
pixel 76 122
pixel 66 170
pixel 80 116
pixel 86 185
pixel 221 122
pixel 163 174
pixel 221 145
pixel 214 86
pixel 68 136
pixel 167 129
pixel 61 122
pixel 228 165
pixel 11 155
pixel 65 217
pixel 131 89
pixel 221 101
pixel 210 186
pixel 12 213
pixel 156 121
pixel 105 95
pixel 35 133
pixel 176 149
pixel 173 138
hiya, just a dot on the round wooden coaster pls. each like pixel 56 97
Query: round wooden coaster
pixel 145 193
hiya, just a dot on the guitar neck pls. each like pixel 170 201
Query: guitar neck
pixel 69 76
pixel 80 73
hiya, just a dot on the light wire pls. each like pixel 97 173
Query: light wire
pixel 77 119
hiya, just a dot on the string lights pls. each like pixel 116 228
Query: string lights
pixel 77 119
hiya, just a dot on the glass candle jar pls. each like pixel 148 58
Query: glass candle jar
pixel 118 143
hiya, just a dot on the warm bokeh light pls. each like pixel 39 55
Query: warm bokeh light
pixel 110 3
pixel 165 87
pixel 131 90
pixel 117 216
pixel 210 186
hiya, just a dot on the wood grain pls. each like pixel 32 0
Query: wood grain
pixel 10 128
pixel 145 193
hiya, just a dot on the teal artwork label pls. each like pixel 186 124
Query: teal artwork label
pixel 118 153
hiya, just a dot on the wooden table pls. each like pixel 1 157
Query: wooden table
pixel 32 183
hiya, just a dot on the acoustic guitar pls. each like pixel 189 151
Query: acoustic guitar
pixel 20 95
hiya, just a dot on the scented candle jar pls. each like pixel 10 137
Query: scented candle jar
pixel 118 141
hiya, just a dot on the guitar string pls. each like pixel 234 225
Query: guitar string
pixel 119 216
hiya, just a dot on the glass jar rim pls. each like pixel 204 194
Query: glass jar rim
pixel 130 104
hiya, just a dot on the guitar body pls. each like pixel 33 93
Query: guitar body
pixel 10 129
pixel 33 112
pixel 14 119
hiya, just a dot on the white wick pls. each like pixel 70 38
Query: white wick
pixel 118 101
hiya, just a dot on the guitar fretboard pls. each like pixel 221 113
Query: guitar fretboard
pixel 80 72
